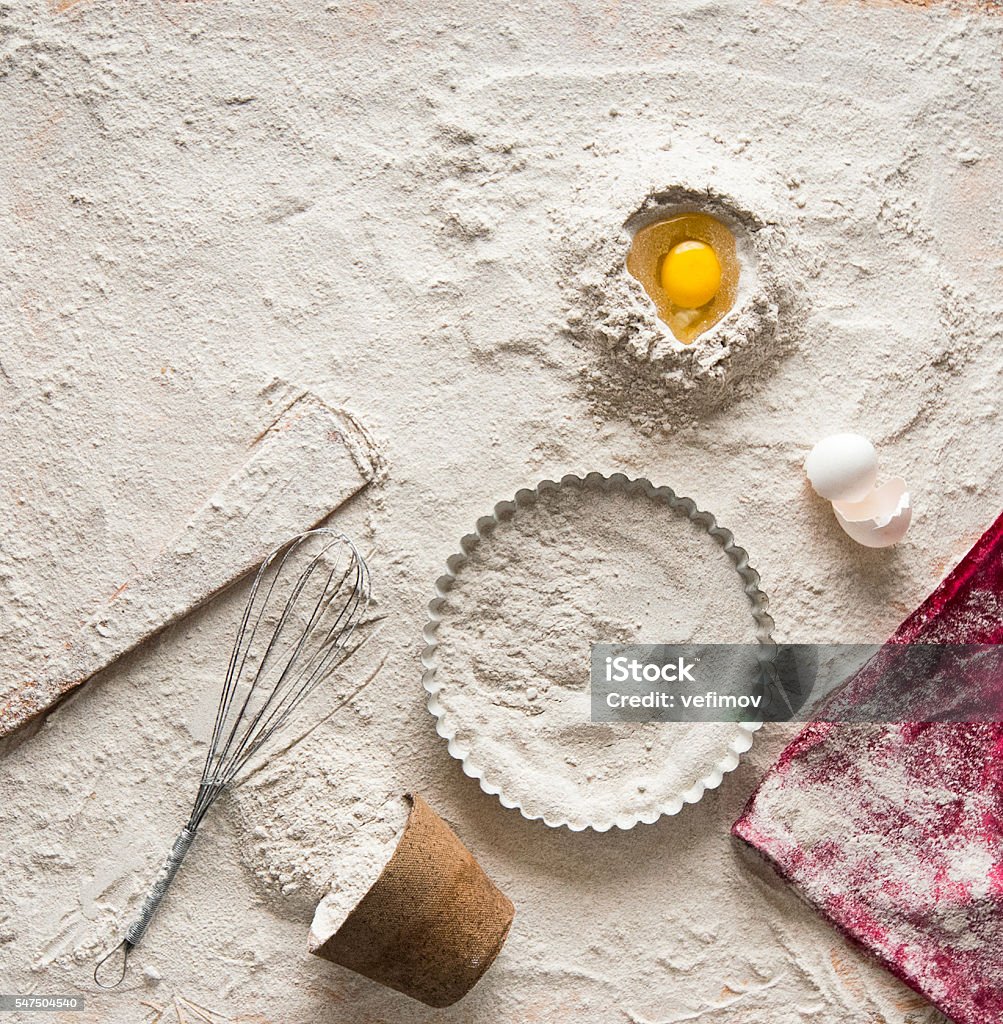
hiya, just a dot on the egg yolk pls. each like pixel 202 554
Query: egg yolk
pixel 691 274
pixel 688 265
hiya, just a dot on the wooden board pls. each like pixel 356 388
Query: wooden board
pixel 306 464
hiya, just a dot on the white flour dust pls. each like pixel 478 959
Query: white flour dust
pixel 581 566
pixel 417 212
pixel 360 860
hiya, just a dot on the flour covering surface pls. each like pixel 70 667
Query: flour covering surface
pixel 421 220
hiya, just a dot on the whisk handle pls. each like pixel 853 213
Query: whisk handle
pixel 161 884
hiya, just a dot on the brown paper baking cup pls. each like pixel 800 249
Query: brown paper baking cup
pixel 432 923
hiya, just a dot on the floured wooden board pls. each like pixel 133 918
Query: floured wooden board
pixel 305 465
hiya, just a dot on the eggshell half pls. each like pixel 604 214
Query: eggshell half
pixel 879 520
pixel 843 467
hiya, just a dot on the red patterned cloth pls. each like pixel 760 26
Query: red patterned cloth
pixel 895 833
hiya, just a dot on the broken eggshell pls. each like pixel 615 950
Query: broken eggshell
pixel 880 519
pixel 843 467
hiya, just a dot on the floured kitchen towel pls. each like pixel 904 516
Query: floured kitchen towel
pixel 895 833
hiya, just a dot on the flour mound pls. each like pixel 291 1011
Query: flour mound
pixel 361 860
pixel 308 836
pixel 640 372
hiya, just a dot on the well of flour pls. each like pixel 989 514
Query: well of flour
pixel 641 371
pixel 579 566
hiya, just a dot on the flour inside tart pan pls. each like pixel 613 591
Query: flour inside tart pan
pixel 577 567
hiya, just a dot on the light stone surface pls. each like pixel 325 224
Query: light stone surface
pixel 206 207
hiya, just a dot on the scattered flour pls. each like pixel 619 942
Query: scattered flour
pixel 361 858
pixel 581 565
pixel 411 217
pixel 328 838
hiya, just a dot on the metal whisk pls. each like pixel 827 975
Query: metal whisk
pixel 305 602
